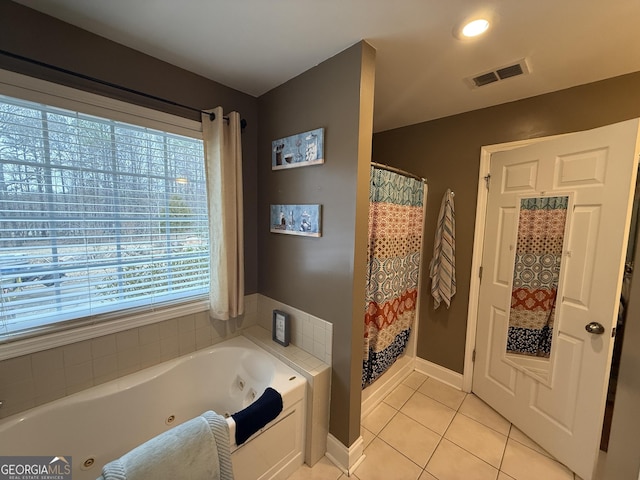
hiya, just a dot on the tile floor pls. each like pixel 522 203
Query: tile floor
pixel 426 430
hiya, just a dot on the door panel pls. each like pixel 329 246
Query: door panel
pixel 582 168
pixel 582 248
pixel 504 269
pixel 520 177
pixel 559 401
pixel 502 374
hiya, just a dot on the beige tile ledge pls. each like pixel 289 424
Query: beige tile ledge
pixel 294 356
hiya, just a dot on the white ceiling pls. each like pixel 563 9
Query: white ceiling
pixel 256 45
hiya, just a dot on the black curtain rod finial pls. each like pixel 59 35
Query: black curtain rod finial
pixel 243 122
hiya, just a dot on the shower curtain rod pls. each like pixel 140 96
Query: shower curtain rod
pixel 212 116
pixel 397 170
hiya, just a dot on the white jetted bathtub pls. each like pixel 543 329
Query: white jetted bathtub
pixel 102 423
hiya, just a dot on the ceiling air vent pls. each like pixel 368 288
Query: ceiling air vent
pixel 485 79
pixel 498 74
pixel 510 71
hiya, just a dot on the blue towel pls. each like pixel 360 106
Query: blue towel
pixel 257 415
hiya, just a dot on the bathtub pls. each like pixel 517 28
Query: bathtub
pixel 102 423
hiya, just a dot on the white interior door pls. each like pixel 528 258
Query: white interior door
pixel 560 403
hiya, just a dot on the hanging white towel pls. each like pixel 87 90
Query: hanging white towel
pixel 443 265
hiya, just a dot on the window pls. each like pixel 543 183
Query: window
pixel 96 216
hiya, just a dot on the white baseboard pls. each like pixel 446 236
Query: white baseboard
pixel 439 373
pixel 346 459
pixel 383 386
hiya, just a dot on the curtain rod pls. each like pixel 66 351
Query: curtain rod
pixel 397 170
pixel 212 116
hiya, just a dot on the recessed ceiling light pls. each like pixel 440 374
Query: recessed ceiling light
pixel 475 28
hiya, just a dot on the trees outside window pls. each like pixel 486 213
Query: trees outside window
pixel 95 216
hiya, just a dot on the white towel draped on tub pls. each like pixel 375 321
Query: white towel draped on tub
pixel 443 264
pixel 197 449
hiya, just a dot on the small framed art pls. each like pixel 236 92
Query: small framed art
pixel 299 150
pixel 301 220
pixel 281 330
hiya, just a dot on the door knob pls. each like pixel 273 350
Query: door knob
pixel 595 328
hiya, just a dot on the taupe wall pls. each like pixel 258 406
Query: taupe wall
pixel 28 33
pixel 323 276
pixel 447 153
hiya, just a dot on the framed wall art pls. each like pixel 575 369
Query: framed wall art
pixel 299 150
pixel 301 220
pixel 281 328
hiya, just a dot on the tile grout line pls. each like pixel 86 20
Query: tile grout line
pixel 401 453
pixel 426 426
pixel 423 469
pixel 505 447
pixel 431 456
pixel 398 410
pixel 473 454
pixel 457 411
pixel 442 437
pixel 499 468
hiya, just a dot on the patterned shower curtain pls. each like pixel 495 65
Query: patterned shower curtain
pixel 541 226
pixel 395 239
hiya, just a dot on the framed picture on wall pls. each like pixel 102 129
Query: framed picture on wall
pixel 281 328
pixel 301 220
pixel 299 150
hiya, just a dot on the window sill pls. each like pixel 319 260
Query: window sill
pixel 87 332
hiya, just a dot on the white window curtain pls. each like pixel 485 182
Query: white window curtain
pixel 223 165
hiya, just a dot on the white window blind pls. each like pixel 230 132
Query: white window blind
pixel 96 216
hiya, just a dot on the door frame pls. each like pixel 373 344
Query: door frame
pixel 478 245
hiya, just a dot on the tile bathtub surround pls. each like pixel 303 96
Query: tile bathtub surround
pixel 318 376
pixel 312 334
pixel 38 378
pixel 425 430
pixel 309 353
